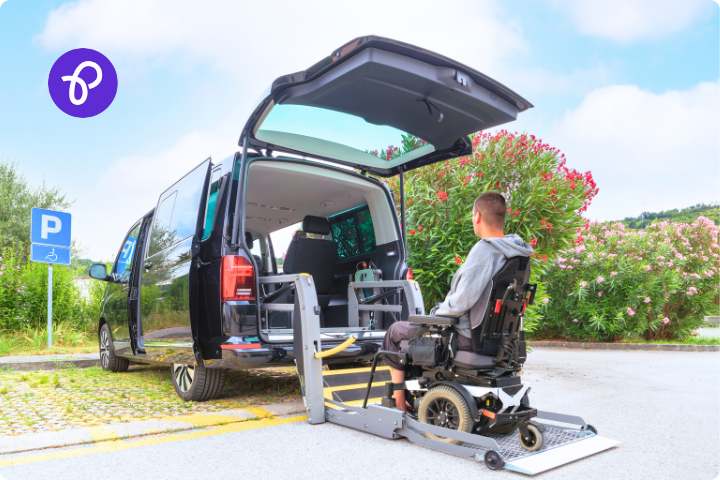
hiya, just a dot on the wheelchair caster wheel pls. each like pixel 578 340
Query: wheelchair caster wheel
pixel 535 441
pixel 591 428
pixel 493 460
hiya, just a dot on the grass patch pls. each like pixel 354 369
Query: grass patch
pixel 66 340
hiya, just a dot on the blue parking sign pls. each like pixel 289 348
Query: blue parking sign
pixel 49 254
pixel 50 228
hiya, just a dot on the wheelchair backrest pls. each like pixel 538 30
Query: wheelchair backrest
pixel 502 308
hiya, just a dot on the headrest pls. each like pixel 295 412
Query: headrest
pixel 248 239
pixel 318 225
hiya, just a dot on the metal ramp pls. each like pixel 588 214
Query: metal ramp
pixel 333 396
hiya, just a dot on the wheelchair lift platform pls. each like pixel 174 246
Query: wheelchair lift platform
pixel 339 397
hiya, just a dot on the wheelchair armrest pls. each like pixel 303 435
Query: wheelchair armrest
pixel 433 320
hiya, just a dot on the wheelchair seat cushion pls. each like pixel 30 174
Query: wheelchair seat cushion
pixel 467 359
pixel 432 320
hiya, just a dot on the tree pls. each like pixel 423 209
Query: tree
pixel 17 199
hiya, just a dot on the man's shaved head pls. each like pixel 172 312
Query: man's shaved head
pixel 491 206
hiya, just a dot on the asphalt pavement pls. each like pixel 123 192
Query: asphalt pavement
pixel 663 406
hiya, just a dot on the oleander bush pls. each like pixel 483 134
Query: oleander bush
pixel 657 283
pixel 545 204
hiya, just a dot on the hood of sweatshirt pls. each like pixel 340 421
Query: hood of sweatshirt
pixel 511 246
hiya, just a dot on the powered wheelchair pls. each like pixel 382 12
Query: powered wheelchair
pixel 476 388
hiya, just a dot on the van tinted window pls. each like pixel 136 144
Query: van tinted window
pixel 212 201
pixel 354 232
pixel 177 212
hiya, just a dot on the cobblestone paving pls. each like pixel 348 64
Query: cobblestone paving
pixel 47 401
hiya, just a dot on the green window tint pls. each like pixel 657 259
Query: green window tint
pixel 212 200
pixel 366 230
pixel 353 231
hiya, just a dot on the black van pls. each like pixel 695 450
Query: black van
pixel 192 285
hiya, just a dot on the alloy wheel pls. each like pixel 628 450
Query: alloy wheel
pixel 443 413
pixel 183 375
pixel 105 349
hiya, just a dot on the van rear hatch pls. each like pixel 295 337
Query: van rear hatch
pixel 373 93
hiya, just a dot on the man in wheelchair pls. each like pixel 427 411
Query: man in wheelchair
pixel 460 358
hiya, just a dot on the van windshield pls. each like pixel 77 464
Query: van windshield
pixel 342 136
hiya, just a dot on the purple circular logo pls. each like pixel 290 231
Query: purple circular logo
pixel 83 83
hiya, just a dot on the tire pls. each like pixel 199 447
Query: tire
pixel 108 360
pixel 493 460
pixel 445 407
pixel 536 440
pixel 197 384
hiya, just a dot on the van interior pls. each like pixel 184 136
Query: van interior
pixel 338 227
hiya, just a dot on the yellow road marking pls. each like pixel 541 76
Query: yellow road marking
pixel 204 420
pixel 354 370
pixel 258 412
pixel 124 445
pixel 101 433
pixel 352 403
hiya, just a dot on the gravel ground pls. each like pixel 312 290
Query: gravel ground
pixel 663 406
pixel 49 401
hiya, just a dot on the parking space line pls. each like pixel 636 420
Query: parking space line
pixel 127 444
pixel 101 433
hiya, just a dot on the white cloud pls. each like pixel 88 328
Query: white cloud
pixel 627 21
pixel 131 186
pixel 647 152
pixel 282 36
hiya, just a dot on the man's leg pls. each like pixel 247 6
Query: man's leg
pixel 397 332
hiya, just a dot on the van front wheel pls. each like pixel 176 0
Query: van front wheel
pixel 109 361
pixel 197 384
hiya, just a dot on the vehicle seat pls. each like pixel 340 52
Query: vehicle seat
pixel 314 256
pixel 496 336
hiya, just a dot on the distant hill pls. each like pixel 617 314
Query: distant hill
pixel 685 215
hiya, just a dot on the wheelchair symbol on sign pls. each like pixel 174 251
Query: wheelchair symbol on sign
pixel 51 256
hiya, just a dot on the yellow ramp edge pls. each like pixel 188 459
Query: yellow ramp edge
pixel 259 412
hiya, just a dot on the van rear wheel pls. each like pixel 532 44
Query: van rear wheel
pixel 197 384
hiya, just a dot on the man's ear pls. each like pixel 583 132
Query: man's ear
pixel 476 218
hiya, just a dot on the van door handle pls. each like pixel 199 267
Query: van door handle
pixel 148 265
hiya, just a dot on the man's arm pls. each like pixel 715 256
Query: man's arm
pixel 469 288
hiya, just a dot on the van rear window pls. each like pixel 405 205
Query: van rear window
pixel 353 231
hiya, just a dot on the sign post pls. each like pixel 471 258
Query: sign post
pixel 50 243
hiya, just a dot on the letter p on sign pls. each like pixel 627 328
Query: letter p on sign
pixel 46 228
pixel 51 228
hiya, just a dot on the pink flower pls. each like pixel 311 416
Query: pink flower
pixel 694 332
pixel 666 320
pixel 583 284
pixel 647 300
pixel 613 274
pixel 599 294
pixel 647 267
pixel 545 299
pixel 600 279
pixel 576 320
pixel 630 311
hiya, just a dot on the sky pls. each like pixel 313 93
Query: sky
pixel 625 88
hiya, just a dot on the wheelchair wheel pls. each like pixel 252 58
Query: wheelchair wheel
pixel 445 407
pixel 536 440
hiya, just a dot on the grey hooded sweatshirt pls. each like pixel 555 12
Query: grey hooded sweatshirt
pixel 472 281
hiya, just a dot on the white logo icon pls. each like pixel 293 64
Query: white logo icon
pixel 75 78
pixel 51 256
pixel 45 228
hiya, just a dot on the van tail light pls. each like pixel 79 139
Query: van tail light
pixel 409 275
pixel 238 278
